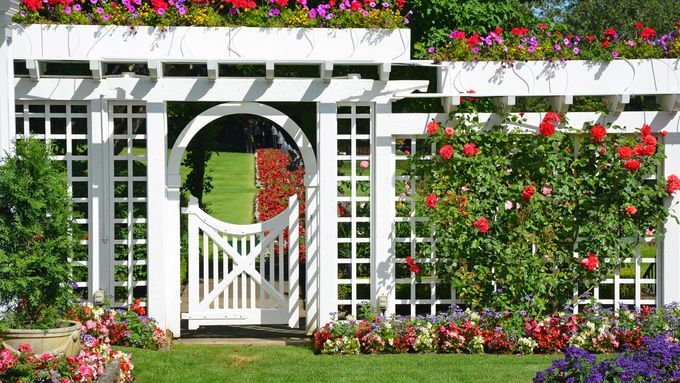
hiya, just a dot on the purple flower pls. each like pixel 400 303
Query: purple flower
pixel 577 51
pixel 93 1
pixel 160 11
pixel 430 50
pixel 182 10
pixel 631 43
pixel 76 7
pixel 313 13
pixel 557 47
pixel 67 10
pixel 615 53
pixel 23 13
pixel 475 50
pixel 100 10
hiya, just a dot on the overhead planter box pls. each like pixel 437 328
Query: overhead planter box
pixel 540 78
pixel 298 45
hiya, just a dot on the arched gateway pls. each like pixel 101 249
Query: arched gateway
pixel 238 276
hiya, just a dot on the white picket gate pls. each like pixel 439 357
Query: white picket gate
pixel 237 273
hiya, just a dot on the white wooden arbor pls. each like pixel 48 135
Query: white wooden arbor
pixel 355 257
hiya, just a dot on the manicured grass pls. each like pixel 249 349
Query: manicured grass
pixel 233 194
pixel 206 364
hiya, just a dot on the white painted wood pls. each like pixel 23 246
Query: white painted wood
pixel 244 257
pixel 160 88
pixel 99 210
pixel 415 123
pixel 303 45
pixel 669 267
pixel 327 126
pixel 7 123
pixel 382 206
pixel 156 156
pixel 578 78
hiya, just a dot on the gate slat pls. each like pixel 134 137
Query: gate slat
pixel 281 278
pixel 216 272
pixel 244 291
pixel 253 298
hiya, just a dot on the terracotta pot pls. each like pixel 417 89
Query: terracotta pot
pixel 56 341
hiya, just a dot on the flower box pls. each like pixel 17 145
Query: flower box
pixel 295 45
pixel 577 77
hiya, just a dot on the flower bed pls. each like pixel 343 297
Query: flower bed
pixel 276 182
pixel 595 329
pixel 213 13
pixel 544 43
pixel 657 360
pixel 87 367
pixel 128 327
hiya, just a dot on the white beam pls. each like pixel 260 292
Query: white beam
pixel 384 71
pixel 220 90
pixel 617 103
pixel 7 120
pixel 669 269
pixel 155 69
pixel 414 123
pixel 159 285
pixel 669 102
pixel 327 147
pixel 505 103
pixel 213 70
pixel 100 206
pixel 34 70
pixel 561 104
pixel 451 103
pixel 269 70
pixel 96 69
pixel 326 71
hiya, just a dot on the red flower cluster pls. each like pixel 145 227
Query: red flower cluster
pixel 276 183
pixel 432 127
pixel 646 148
pixel 482 224
pixel 470 149
pixel 547 126
pixel 591 262
pixel 431 200
pixel 598 132
pixel 630 210
pixel 446 151
pixel 528 192
pixel 33 5
pixel 242 4
pixel 672 184
pixel 412 265
pixel 551 335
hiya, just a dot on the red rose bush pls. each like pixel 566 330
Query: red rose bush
pixel 521 220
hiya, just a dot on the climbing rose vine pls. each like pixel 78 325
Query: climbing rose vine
pixel 537 214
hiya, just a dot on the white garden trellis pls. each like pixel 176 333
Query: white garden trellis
pixel 352 258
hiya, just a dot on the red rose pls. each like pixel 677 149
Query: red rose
pixel 649 140
pixel 481 224
pixel 646 130
pixel 528 192
pixel 598 132
pixel 639 150
pixel 432 127
pixel 591 262
pixel 412 265
pixel 553 117
pixel 547 128
pixel 470 149
pixel 449 131
pixel 638 25
pixel 632 165
pixel 672 184
pixel 625 152
pixel 431 200
pixel 648 150
pixel 610 32
pixel 446 151
pixel 630 210
pixel 664 133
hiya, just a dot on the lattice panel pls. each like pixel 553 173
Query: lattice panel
pixel 414 238
pixel 129 202
pixel 634 284
pixel 355 126
pixel 65 127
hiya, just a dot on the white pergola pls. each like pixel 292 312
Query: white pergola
pixel 354 123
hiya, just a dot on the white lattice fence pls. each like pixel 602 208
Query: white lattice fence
pixel 65 128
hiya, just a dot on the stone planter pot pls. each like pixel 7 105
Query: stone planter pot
pixel 62 340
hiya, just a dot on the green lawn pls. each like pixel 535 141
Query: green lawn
pixel 206 364
pixel 233 194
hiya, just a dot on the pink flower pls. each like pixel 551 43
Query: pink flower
pixel 546 191
pixel 363 164
pixel 432 127
pixel 630 210
pixel 508 205
pixel 449 131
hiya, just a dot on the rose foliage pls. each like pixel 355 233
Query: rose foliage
pixel 523 220
pixel 488 331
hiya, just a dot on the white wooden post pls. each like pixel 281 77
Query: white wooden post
pixel 7 122
pixel 193 257
pixel 383 211
pixel 157 148
pixel 327 149
pixel 100 243
pixel 312 250
pixel 294 262
pixel 669 267
pixel 172 255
